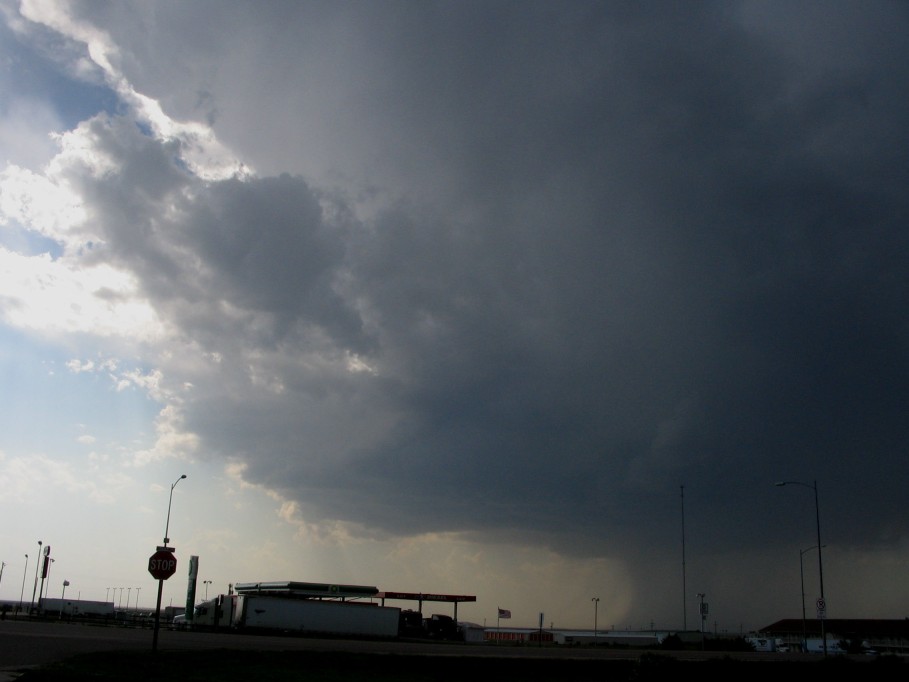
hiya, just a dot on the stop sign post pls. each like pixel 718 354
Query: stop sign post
pixel 162 564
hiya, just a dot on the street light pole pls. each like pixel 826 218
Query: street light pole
pixel 63 598
pixel 802 574
pixel 820 561
pixel 169 501
pixel 161 582
pixel 206 583
pixel 22 591
pixel 802 553
pixel 596 603
pixel 50 564
pixel 684 585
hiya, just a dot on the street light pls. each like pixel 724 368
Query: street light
pixel 171 499
pixel 22 592
pixel 206 583
pixel 137 597
pixel 161 582
pixel 596 603
pixel 820 561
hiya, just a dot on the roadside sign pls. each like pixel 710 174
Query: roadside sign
pixel 162 565
pixel 821 608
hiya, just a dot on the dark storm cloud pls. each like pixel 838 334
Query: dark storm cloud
pixel 629 246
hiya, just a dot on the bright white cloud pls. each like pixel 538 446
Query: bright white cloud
pixel 37 202
pixel 46 296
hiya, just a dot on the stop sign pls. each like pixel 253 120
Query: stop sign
pixel 162 565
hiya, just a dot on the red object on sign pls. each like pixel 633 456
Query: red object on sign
pixel 162 565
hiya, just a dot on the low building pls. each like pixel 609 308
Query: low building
pixel 881 635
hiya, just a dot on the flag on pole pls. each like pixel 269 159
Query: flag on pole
pixel 504 613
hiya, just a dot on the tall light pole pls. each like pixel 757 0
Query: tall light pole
pixel 50 563
pixel 596 603
pixel 137 597
pixel 206 583
pixel 820 561
pixel 169 501
pixel 22 592
pixel 161 582
pixel 129 592
pixel 63 598
pixel 684 586
pixel 35 588
pixel 802 574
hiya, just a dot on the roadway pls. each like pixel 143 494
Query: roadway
pixel 25 644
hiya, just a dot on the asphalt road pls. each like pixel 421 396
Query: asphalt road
pixel 24 644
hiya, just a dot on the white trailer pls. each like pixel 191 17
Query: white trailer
pixel 77 608
pixel 314 616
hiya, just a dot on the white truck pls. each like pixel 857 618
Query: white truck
pixel 243 612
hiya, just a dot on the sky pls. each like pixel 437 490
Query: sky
pixel 529 301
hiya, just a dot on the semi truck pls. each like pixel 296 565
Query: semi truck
pixel 261 613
